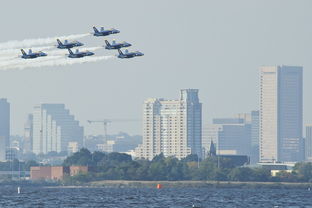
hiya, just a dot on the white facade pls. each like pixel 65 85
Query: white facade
pixel 54 128
pixel 280 114
pixel 172 127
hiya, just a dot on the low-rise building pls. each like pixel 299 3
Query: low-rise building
pixel 75 170
pixel 277 165
pixel 55 172
pixel 40 173
pixel 274 173
pixel 59 172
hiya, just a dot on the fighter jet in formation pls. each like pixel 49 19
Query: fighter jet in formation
pixel 104 32
pixel 67 45
pixel 32 55
pixel 79 54
pixel 128 54
pixel 115 45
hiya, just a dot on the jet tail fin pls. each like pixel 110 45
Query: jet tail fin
pixel 70 51
pixel 120 52
pixel 23 52
pixel 95 30
pixel 107 43
pixel 59 42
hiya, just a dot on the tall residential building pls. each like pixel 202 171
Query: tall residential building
pixel 28 137
pixel 4 128
pixel 281 114
pixel 308 143
pixel 172 127
pixel 232 136
pixel 54 128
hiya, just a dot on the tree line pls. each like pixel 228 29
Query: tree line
pixel 119 166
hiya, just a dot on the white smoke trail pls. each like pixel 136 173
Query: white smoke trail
pixel 10 54
pixel 18 51
pixel 38 41
pixel 13 63
pixel 5 58
pixel 59 61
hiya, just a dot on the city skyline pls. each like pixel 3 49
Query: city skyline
pixel 222 83
pixel 99 132
pixel 242 129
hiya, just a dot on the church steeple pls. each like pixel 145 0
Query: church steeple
pixel 212 151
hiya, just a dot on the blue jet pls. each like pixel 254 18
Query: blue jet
pixel 67 45
pixel 78 54
pixel 32 55
pixel 128 54
pixel 115 45
pixel 104 32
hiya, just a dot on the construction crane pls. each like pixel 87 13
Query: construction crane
pixel 105 123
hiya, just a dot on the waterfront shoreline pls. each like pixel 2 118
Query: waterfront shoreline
pixel 169 184
pixel 195 184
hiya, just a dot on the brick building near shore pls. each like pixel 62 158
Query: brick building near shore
pixel 55 172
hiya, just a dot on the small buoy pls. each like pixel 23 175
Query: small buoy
pixel 18 190
pixel 309 189
pixel 159 186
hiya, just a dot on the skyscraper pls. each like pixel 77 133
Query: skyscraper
pixel 172 127
pixel 281 114
pixel 254 157
pixel 54 128
pixel 308 143
pixel 4 128
pixel 28 137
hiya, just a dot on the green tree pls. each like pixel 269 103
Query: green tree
pixel 82 157
pixel 241 174
pixel 303 171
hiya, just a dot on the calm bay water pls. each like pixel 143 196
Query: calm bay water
pixel 152 198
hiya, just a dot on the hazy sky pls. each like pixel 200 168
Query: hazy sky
pixel 215 46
